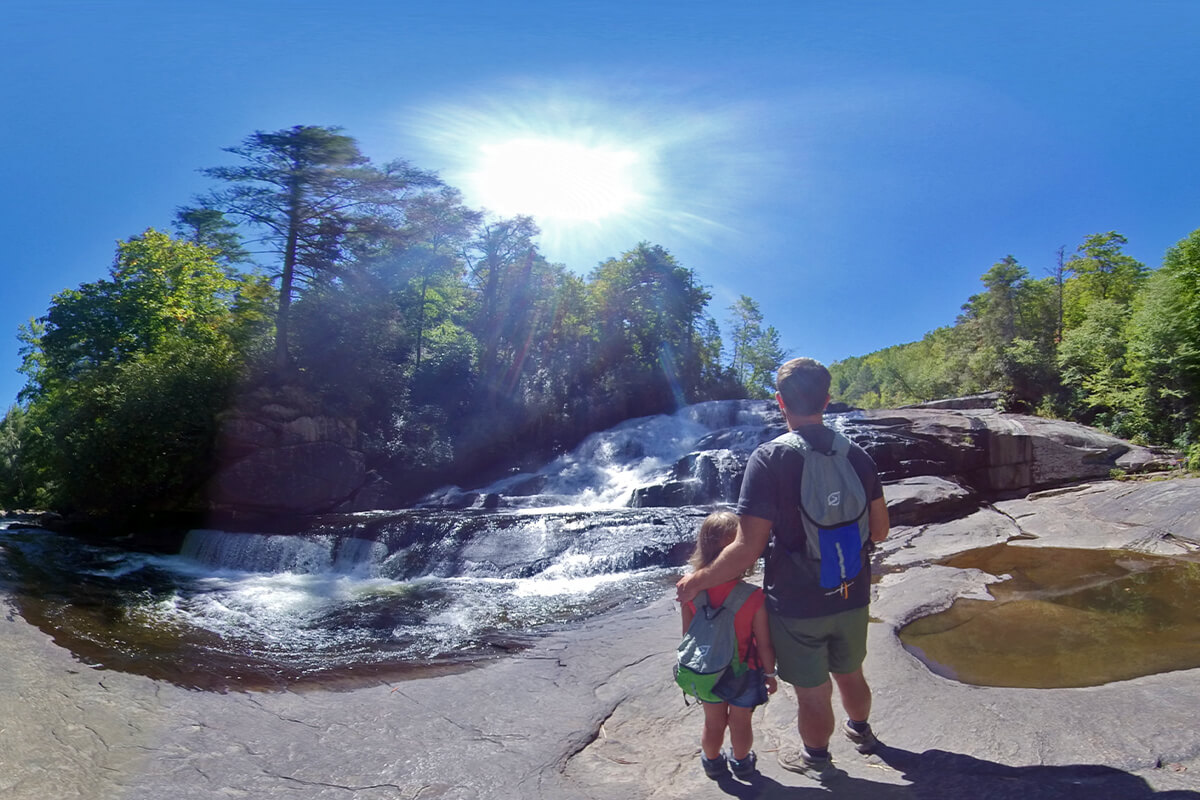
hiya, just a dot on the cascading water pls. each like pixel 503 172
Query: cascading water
pixel 467 575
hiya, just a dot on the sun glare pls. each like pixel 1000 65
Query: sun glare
pixel 599 167
pixel 556 179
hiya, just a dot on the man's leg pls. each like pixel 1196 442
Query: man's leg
pixel 814 715
pixel 856 694
pixel 856 699
pixel 802 659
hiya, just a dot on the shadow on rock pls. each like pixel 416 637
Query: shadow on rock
pixel 834 782
pixel 941 774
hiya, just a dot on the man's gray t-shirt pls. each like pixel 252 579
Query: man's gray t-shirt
pixel 771 490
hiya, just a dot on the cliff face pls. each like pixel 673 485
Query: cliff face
pixel 279 453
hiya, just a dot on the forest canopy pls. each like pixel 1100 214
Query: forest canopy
pixel 442 331
pixel 459 350
pixel 1101 340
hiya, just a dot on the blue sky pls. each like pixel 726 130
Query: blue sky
pixel 853 167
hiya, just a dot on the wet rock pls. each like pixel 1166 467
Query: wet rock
pixel 297 479
pixel 377 493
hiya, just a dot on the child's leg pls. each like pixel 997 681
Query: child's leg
pixel 716 716
pixel 741 731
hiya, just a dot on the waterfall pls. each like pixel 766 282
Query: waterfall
pixel 449 580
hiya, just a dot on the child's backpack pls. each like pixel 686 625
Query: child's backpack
pixel 709 648
pixel 834 510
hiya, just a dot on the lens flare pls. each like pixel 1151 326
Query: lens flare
pixel 600 167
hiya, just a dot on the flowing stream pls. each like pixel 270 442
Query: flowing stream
pixel 382 594
pixel 472 574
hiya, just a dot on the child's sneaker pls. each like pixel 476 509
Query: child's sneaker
pixel 743 768
pixel 714 767
pixel 864 740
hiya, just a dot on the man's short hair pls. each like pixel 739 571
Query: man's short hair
pixel 803 383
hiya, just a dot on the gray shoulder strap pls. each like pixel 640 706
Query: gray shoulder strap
pixel 841 445
pixel 738 597
pixel 794 440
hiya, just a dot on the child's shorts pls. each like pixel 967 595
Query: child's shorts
pixel 745 691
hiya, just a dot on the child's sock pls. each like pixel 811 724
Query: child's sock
pixel 860 727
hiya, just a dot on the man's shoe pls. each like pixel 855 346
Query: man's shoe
pixel 798 760
pixel 743 768
pixel 714 767
pixel 864 740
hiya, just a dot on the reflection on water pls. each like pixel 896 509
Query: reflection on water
pixel 1063 618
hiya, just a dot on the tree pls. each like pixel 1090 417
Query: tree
pixel 502 259
pixel 1164 346
pixel 1101 271
pixel 648 311
pixel 127 377
pixel 209 227
pixel 1092 360
pixel 757 354
pixel 442 225
pixel 17 487
pixel 318 202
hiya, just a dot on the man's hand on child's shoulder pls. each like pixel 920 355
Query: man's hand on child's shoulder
pixel 684 593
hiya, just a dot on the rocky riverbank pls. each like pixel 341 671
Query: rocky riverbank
pixel 591 712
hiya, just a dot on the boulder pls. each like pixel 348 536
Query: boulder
pixel 937 460
pixel 925 499
pixel 993 453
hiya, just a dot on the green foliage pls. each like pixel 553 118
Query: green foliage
pixel 1101 273
pixel 757 353
pixel 649 314
pixel 210 228
pixel 1125 356
pixel 1164 345
pixel 319 204
pixel 18 484
pixel 127 376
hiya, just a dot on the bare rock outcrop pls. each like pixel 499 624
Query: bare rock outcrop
pixel 590 712
pixel 279 453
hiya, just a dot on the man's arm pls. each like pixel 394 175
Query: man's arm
pixel 877 520
pixel 734 560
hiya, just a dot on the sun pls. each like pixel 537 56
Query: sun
pixel 599 166
pixel 557 179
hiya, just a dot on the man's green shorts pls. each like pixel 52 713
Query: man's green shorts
pixel 807 650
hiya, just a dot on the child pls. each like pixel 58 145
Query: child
pixel 754 646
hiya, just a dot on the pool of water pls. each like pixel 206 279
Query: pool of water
pixel 1063 618
pixel 218 629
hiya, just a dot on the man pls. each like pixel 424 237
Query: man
pixel 817 632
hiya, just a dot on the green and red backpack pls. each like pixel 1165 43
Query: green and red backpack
pixel 709 648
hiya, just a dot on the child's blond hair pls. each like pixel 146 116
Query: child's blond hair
pixel 710 540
